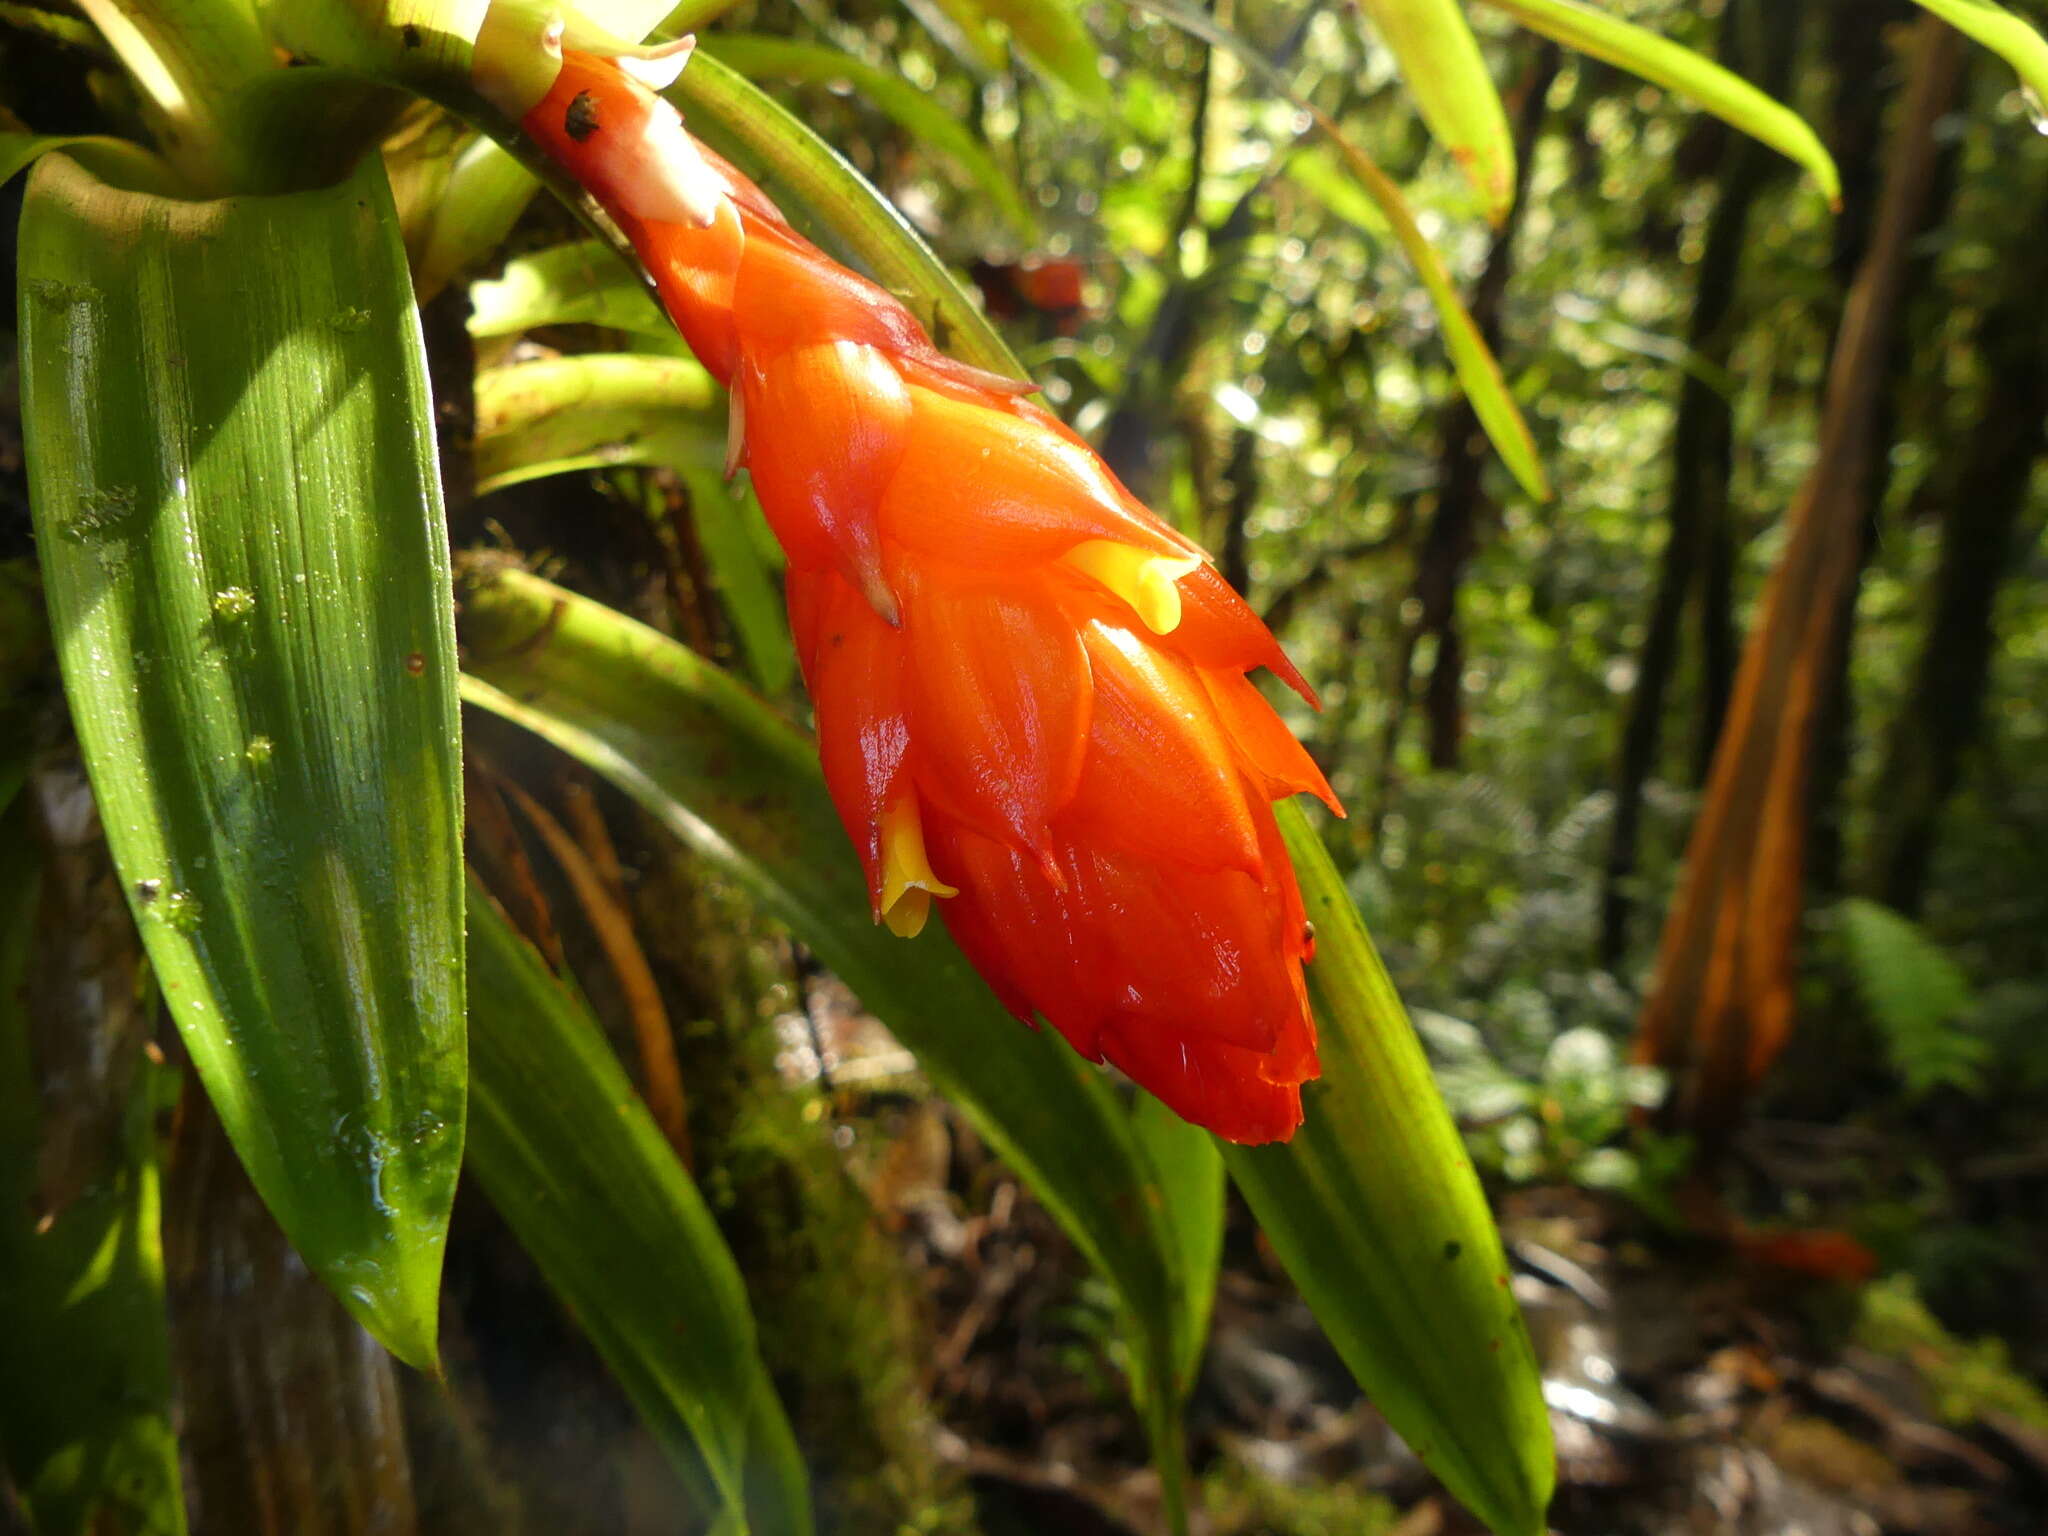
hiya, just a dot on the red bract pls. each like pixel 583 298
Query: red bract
pixel 1031 693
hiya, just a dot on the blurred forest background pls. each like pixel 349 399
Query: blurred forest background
pixel 1806 1297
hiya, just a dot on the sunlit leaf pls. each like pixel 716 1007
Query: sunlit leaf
pixel 2005 34
pixel 759 57
pixel 1684 73
pixel 246 569
pixel 569 1155
pixel 594 409
pixel 1378 1216
pixel 732 779
pixel 487 191
pixel 1441 63
pixel 582 283
pixel 1191 1179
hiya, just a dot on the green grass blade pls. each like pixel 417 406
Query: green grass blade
pixel 1376 1211
pixel 924 118
pixel 1441 62
pixel 594 409
pixel 1684 73
pixel 2006 35
pixel 568 1153
pixel 736 782
pixel 85 1418
pixel 232 472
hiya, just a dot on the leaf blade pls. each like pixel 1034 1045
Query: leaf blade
pixel 1376 1211
pixel 754 55
pixel 570 1156
pixel 1440 60
pixel 2005 34
pixel 1684 73
pixel 254 691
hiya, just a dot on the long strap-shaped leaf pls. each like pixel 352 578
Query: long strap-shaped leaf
pixel 2005 34
pixel 1680 70
pixel 574 1162
pixel 1442 65
pixel 759 57
pixel 1379 1217
pixel 231 464
pixel 736 782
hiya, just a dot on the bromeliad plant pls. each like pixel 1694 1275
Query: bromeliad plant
pixel 1031 692
pixel 1031 696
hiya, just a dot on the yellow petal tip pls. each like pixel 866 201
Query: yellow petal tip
pixel 1149 583
pixel 908 883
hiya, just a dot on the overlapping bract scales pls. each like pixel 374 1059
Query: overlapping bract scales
pixel 1032 695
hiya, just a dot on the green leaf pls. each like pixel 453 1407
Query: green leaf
pixel 1051 36
pixel 1685 73
pixel 246 568
pixel 582 283
pixel 1191 1182
pixel 188 61
pixel 591 410
pixel 85 1421
pixel 736 782
pixel 741 116
pixel 1376 1212
pixel 2006 35
pixel 1440 60
pixel 744 577
pixel 1478 372
pixel 487 191
pixel 568 1153
pixel 111 157
pixel 923 117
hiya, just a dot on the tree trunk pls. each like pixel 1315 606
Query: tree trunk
pixel 1700 546
pixel 1721 1003
pixel 1986 523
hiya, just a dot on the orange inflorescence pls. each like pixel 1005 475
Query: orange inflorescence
pixel 1031 693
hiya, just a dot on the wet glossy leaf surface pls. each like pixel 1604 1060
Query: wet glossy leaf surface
pixel 247 584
